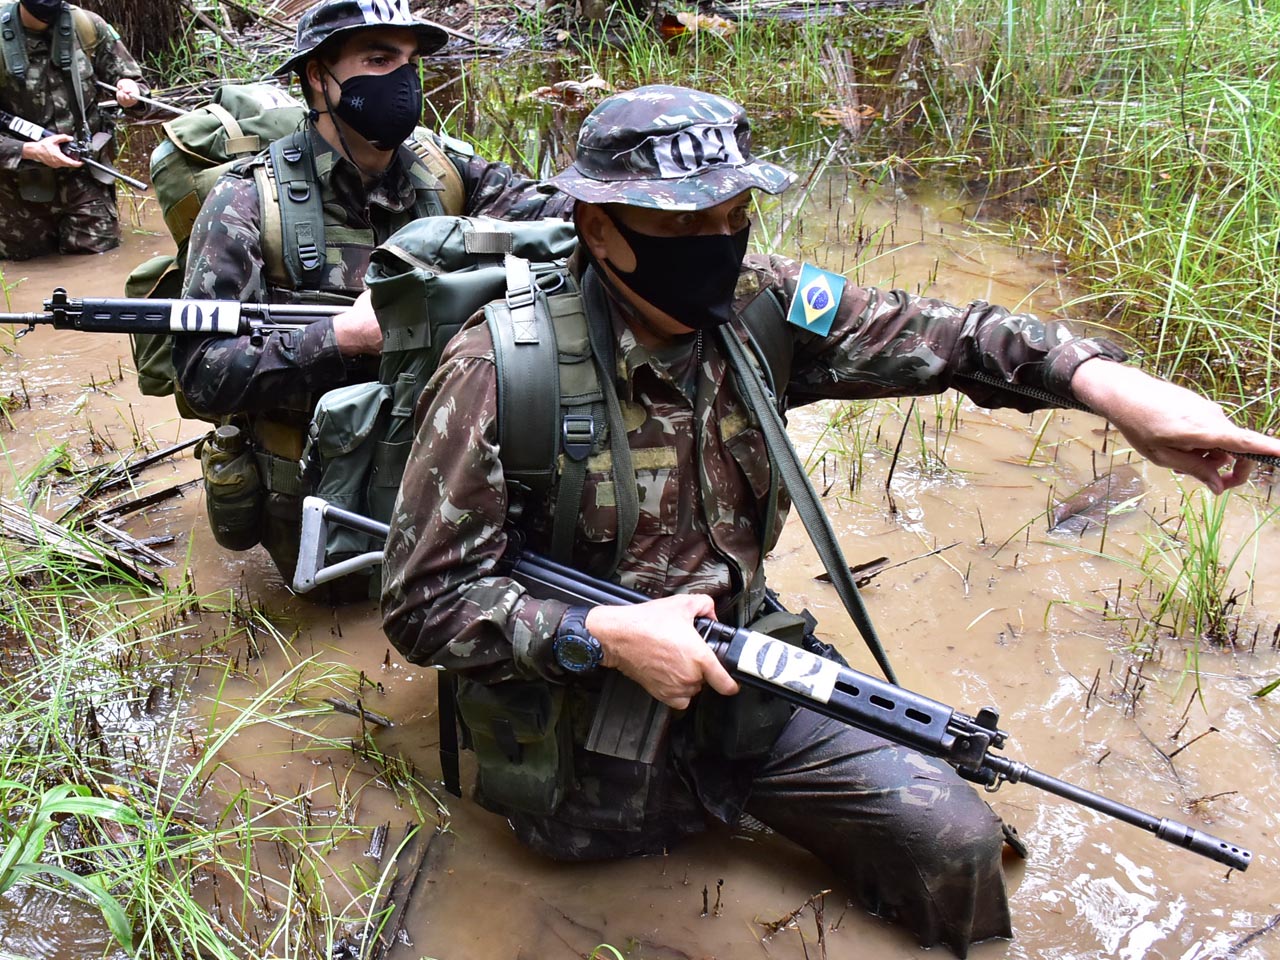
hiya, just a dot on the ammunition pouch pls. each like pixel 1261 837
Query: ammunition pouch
pixel 522 738
pixel 746 725
pixel 37 183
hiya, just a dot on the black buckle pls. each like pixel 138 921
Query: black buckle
pixel 579 433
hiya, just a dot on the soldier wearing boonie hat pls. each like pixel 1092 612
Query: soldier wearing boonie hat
pixel 663 181
pixel 358 170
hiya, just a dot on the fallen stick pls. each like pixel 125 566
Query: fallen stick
pixel 17 523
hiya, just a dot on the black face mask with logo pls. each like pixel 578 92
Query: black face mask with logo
pixel 383 108
pixel 46 11
pixel 691 279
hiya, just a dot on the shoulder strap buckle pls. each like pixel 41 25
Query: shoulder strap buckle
pixel 578 433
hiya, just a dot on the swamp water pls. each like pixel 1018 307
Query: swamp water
pixel 1005 613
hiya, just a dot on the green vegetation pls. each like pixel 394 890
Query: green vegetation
pixel 114 789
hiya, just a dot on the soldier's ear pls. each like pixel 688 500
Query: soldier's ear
pixel 594 229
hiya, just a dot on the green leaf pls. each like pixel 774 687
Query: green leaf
pixel 1263 691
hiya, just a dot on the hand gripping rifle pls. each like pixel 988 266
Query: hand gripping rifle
pixel 81 150
pixel 193 317
pixel 803 678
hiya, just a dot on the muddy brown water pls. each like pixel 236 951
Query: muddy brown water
pixel 1007 615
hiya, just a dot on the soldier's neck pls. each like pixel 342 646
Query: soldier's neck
pixel 652 327
pixel 368 159
pixel 31 23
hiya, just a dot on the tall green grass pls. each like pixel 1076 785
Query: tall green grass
pixel 180 852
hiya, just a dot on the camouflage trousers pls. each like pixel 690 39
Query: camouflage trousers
pixel 908 838
pixel 81 218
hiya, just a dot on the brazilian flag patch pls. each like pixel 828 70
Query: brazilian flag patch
pixel 817 296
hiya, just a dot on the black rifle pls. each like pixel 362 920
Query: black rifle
pixel 820 684
pixel 195 317
pixel 80 150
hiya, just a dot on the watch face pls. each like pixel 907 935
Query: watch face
pixel 578 654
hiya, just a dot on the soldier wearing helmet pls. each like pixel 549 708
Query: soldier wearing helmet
pixel 663 180
pixel 298 223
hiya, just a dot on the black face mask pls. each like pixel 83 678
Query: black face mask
pixel 46 11
pixel 382 108
pixel 691 279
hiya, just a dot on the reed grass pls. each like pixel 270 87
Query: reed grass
pixel 99 727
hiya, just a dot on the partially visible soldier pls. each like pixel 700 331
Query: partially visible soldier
pixel 54 53
pixel 298 223
pixel 663 180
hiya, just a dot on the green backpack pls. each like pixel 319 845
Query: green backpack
pixel 196 150
pixel 425 282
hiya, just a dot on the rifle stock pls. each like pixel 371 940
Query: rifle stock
pixel 803 678
pixel 185 317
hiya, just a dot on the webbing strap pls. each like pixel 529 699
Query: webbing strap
pixel 785 462
pixel 13 37
pixel 301 209
pixel 600 332
pixel 237 142
pixel 447 709
pixel 64 54
pixel 278 474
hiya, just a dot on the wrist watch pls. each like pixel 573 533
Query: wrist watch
pixel 576 650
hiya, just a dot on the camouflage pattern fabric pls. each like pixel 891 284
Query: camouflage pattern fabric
pixel 221 375
pixel 82 217
pixel 703 480
pixel 336 18
pixel 667 148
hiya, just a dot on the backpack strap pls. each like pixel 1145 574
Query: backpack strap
pixel 524 346
pixel 297 193
pixel 438 183
pixel 66 41
pixel 765 320
pixel 13 41
pixel 238 143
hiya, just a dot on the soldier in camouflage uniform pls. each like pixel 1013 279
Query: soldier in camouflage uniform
pixel 349 55
pixel 662 179
pixel 48 201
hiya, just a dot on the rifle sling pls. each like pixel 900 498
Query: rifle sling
pixel 787 464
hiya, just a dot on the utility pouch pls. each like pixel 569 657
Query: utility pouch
pixel 522 739
pixel 37 184
pixel 233 492
pixel 745 726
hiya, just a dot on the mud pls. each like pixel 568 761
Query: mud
pixel 1011 616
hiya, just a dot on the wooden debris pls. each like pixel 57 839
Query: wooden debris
pixel 1090 506
pixel 357 710
pixel 414 860
pixel 18 523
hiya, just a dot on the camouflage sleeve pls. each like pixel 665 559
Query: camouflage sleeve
pixel 443 601
pixel 495 190
pixel 112 61
pixel 890 343
pixel 221 375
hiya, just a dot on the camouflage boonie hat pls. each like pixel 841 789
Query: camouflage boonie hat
pixel 667 148
pixel 329 18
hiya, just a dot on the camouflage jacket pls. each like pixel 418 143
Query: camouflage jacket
pixel 46 96
pixel 702 472
pixel 225 262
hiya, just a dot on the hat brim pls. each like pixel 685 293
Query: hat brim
pixel 695 192
pixel 430 39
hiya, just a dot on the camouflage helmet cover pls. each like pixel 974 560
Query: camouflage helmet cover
pixel 331 18
pixel 667 148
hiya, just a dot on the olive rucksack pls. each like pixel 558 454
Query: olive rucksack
pixel 196 150
pixel 425 282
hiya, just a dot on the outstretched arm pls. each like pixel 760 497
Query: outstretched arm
pixel 1170 425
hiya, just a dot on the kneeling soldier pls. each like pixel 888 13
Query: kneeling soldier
pixel 662 182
